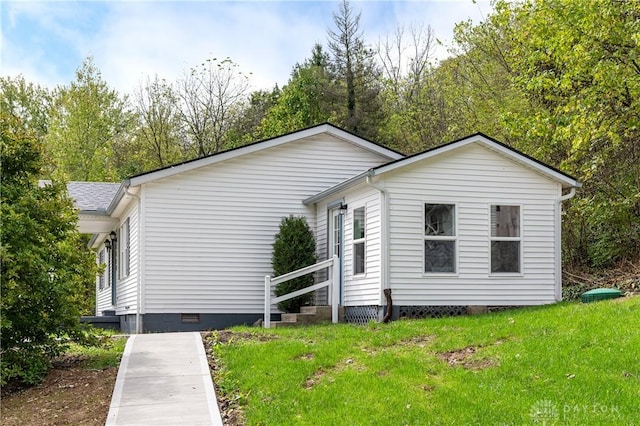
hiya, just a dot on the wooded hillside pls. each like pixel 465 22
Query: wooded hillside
pixel 556 79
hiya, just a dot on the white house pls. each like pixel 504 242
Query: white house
pixel 472 222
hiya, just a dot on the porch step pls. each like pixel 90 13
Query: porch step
pixel 309 315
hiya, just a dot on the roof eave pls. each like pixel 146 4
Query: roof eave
pixel 353 181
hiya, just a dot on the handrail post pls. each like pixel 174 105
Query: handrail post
pixel 335 289
pixel 267 301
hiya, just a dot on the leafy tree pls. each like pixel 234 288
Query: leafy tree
pixel 356 74
pixel 294 248
pixel 28 101
pixel 212 99
pixel 413 100
pixel 158 136
pixel 89 129
pixel 306 100
pixel 577 63
pixel 44 268
pixel 248 127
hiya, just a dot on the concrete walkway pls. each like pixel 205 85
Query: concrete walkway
pixel 164 379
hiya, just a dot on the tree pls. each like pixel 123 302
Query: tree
pixel 416 116
pixel 89 127
pixel 158 133
pixel 212 98
pixel 27 101
pixel 577 64
pixel 294 248
pixel 306 100
pixel 248 127
pixel 44 268
pixel 355 72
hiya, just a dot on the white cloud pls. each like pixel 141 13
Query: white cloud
pixel 131 40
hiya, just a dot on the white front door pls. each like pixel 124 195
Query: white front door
pixel 335 246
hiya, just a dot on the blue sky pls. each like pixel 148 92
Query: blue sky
pixel 46 41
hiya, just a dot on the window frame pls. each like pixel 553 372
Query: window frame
pixel 103 276
pixel 519 239
pixel 359 241
pixel 454 238
pixel 124 249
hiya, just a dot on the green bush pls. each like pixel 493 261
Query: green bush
pixel 294 248
pixel 44 264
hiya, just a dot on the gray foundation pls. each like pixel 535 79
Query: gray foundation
pixel 154 323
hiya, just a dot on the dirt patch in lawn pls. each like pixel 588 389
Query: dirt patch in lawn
pixel 70 395
pixel 230 410
pixel 464 358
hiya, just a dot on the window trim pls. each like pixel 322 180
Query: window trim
pixel 520 239
pixel 455 238
pixel 124 249
pixel 103 276
pixel 358 241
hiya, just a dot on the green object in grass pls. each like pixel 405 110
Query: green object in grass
pixel 600 294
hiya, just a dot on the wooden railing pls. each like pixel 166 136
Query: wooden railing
pixel 332 283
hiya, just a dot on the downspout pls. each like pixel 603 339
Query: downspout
pixel 384 234
pixel 558 242
pixel 139 271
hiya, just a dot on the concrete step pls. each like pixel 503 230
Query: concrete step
pixel 309 315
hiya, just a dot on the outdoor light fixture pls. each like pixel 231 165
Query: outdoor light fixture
pixel 343 208
pixel 113 235
pixel 107 244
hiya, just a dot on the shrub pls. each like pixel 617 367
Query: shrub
pixel 44 266
pixel 294 248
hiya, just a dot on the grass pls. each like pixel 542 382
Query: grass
pixel 99 357
pixel 563 364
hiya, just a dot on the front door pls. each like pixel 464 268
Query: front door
pixel 335 246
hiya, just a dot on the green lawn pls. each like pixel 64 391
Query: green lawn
pixel 564 364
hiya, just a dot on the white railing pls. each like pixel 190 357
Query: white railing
pixel 332 283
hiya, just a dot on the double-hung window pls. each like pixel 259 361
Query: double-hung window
pixel 506 239
pixel 359 254
pixel 440 238
pixel 124 249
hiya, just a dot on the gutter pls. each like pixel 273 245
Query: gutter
pixel 121 192
pixel 385 228
pixel 558 241
pixel 138 273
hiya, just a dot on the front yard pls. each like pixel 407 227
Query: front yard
pixel 563 364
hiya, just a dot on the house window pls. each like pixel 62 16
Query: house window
pixel 506 239
pixel 439 238
pixel 124 250
pixel 358 241
pixel 102 278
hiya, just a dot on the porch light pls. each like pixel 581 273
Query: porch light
pixel 107 244
pixel 113 235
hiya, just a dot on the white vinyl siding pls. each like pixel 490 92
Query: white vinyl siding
pixel 361 289
pixel 103 294
pixel 209 232
pixel 126 286
pixel 475 177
